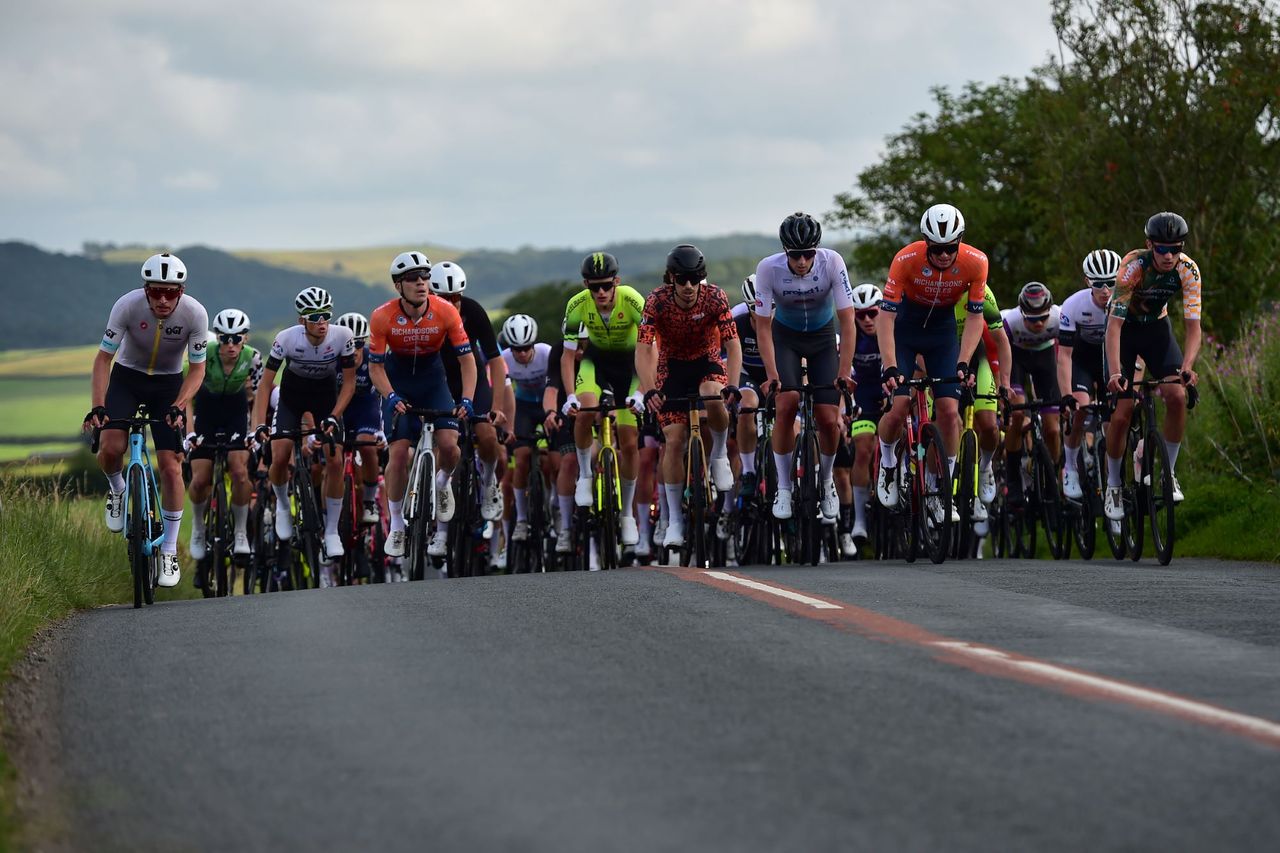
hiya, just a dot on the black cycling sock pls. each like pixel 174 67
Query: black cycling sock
pixel 846 517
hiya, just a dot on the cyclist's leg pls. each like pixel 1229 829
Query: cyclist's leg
pixel 1165 358
pixel 647 478
pixel 241 493
pixel 675 428
pixel 746 431
pixel 588 393
pixel 864 444
pixel 1044 378
pixel 124 392
pixel 787 355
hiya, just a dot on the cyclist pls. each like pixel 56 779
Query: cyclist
pixel 869 397
pixel 363 417
pixel 147 332
pixel 611 312
pixel 319 379
pixel 448 281
pixel 222 405
pixel 406 337
pixel 528 363
pixel 1082 327
pixel 560 436
pixel 802 294
pixel 1139 326
pixel 936 272
pixel 1033 331
pixel 686 323
pixel 753 376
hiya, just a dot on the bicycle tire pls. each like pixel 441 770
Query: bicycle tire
pixel 1155 466
pixel 306 565
pixel 138 529
pixel 966 492
pixel 421 502
pixel 1135 497
pixel 805 476
pixel 695 531
pixel 1048 499
pixel 348 529
pixel 222 583
pixel 1116 539
pixel 937 535
pixel 1085 527
pixel 608 509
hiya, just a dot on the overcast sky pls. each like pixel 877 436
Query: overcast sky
pixel 495 123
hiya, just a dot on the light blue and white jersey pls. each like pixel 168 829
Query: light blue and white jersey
pixel 803 304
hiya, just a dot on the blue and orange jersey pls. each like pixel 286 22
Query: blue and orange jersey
pixel 912 277
pixel 392 332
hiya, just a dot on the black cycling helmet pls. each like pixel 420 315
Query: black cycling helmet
pixel 800 231
pixel 1034 298
pixel 1167 227
pixel 686 260
pixel 599 265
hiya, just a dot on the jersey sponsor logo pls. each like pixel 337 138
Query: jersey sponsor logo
pixel 926 271
pixel 401 320
pixel 143 325
pixel 200 345
pixel 109 334
pixel 801 291
pixel 173 330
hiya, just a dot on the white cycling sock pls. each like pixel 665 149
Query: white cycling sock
pixel 951 465
pixel 172 523
pixel 826 461
pixel 984 459
pixel 584 463
pixel 240 515
pixel 1173 447
pixel 748 462
pixel 719 443
pixel 888 454
pixel 628 497
pixel 861 494
pixel 664 511
pixel 782 462
pixel 116 481
pixel 1115 474
pixel 522 503
pixel 675 494
pixel 396 510
pixel 486 471
pixel 332 512
pixel 1069 459
pixel 197 516
pixel 282 497
pixel 645 523
pixel 442 479
pixel 566 510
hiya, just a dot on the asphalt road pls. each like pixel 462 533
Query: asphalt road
pixel 898 707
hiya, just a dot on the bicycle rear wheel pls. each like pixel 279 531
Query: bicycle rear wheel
pixel 966 492
pixel 221 553
pixel 460 528
pixel 935 503
pixel 609 510
pixel 1049 500
pixel 1085 527
pixel 1156 471
pixel 1135 498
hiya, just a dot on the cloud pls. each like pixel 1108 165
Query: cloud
pixel 491 122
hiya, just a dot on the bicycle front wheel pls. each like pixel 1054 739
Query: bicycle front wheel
pixel 935 503
pixel 1085 528
pixel 966 492
pixel 1049 500
pixel 1156 472
pixel 1135 499
pixel 221 517
pixel 139 532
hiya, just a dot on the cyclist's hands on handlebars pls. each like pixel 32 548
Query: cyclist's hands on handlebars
pixel 636 402
pixel 190 443
pixel 967 379
pixel 1117 383
pixel 571 405
pixel 731 394
pixel 96 419
pixel 1189 377
pixel 261 436
pixel 846 384
pixel 176 417
pixel 890 379
pixel 497 417
pixel 1068 403
pixel 466 408
pixel 654 399
pixel 770 387
pixel 400 404
pixel 551 422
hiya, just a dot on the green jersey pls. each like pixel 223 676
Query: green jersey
pixel 247 371
pixel 990 315
pixel 612 335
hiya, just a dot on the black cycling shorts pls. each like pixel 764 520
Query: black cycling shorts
pixel 219 413
pixel 1155 344
pixel 127 388
pixel 1036 371
pixel 817 349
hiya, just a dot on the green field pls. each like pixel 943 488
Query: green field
pixel 65 361
pixel 50 408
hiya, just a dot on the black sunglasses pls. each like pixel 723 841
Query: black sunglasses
pixel 688 278
pixel 524 348
pixel 802 254
pixel 1036 318
pixel 230 339
pixel 944 248
pixel 416 275
pixel 600 286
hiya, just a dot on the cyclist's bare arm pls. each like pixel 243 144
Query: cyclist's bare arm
pixel 190 385
pixel 263 400
pixel 973 324
pixel 647 367
pixel 1112 343
pixel 764 340
pixel 347 391
pixel 848 342
pixel 733 359
pixel 1064 368
pixel 885 337
pixel 1192 348
pixel 101 378
pixel 568 367
pixel 467 366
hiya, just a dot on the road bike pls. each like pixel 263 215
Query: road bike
pixel 419 498
pixel 143 525
pixel 1042 502
pixel 599 523
pixel 529 555
pixel 216 573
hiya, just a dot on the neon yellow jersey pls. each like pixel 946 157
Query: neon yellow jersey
pixel 990 315
pixel 615 335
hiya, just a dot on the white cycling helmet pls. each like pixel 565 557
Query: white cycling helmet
pixel 357 323
pixel 164 268
pixel 231 321
pixel 942 223
pixel 447 279
pixel 1101 265
pixel 749 289
pixel 520 330
pixel 866 296
pixel 406 261
pixel 313 299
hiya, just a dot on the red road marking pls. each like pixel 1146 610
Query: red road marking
pixel 986 660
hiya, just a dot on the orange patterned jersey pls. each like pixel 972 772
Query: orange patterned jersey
pixel 912 277
pixel 392 332
pixel 686 334
pixel 1143 293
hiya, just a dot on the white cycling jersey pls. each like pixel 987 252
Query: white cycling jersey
pixel 803 304
pixel 312 361
pixel 141 341
pixel 530 379
pixel 1023 338
pixel 1082 321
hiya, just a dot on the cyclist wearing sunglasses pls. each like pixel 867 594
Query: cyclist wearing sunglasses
pixel 1082 327
pixel 313 353
pixel 686 324
pixel 611 312
pixel 753 376
pixel 868 395
pixel 1139 326
pixel 991 368
pixel 927 279
pixel 528 364
pixel 140 361
pixel 1033 331
pixel 363 417
pixel 406 337
pixel 222 406
pixel 802 295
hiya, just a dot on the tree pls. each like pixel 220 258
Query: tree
pixel 1151 105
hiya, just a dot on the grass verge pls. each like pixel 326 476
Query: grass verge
pixel 56 556
pixel 1230 519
